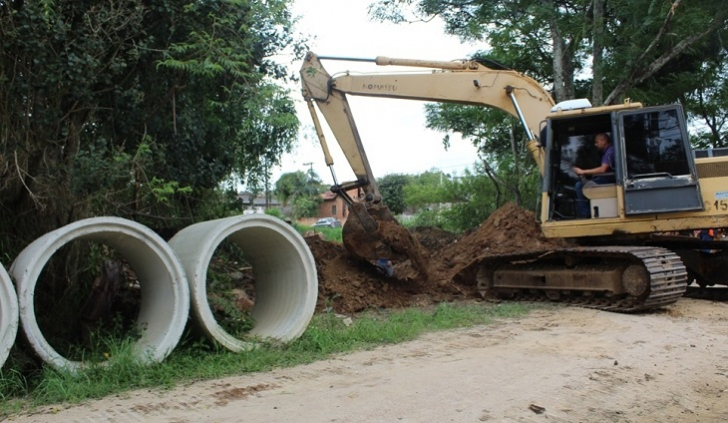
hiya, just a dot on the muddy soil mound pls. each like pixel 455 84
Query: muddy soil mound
pixel 347 285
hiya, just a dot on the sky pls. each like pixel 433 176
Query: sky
pixel 393 131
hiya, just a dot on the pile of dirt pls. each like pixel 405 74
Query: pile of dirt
pixel 347 285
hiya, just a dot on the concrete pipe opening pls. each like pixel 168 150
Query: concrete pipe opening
pixel 8 315
pixel 164 303
pixel 286 284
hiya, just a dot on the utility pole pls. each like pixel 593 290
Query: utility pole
pixel 310 168
pixel 267 185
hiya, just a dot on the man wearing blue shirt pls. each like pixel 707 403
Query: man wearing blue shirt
pixel 604 144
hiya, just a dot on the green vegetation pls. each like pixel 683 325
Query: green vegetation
pixel 330 234
pixel 145 119
pixel 607 51
pixel 457 203
pixel 327 334
pixel 392 189
pixel 150 110
pixel 604 50
pixel 300 191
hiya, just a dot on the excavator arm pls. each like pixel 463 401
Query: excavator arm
pixel 463 82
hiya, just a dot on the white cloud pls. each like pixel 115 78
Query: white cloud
pixel 393 131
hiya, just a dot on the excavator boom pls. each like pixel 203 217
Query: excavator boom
pixel 463 82
pixel 375 235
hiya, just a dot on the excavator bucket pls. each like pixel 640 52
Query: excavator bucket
pixel 371 233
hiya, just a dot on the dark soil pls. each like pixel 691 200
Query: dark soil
pixel 347 285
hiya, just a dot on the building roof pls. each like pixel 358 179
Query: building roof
pixel 247 199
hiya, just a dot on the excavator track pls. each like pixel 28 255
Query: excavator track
pixel 622 279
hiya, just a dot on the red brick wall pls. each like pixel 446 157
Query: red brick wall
pixel 325 208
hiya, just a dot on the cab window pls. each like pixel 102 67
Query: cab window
pixel 654 145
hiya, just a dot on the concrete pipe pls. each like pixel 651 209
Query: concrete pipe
pixel 286 284
pixel 164 306
pixel 8 315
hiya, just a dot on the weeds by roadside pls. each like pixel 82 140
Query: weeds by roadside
pixel 329 234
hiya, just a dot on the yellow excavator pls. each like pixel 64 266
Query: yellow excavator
pixel 632 252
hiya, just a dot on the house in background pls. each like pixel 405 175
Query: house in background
pixel 333 206
pixel 257 204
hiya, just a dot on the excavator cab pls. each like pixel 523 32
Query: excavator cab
pixel 654 173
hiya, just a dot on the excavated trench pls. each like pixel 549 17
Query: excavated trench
pixel 347 285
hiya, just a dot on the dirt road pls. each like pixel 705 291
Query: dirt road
pixel 560 365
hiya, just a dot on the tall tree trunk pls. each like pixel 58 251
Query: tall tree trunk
pixel 558 65
pixel 597 52
pixel 562 60
pixel 493 178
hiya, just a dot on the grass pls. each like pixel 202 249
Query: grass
pixel 327 334
pixel 330 234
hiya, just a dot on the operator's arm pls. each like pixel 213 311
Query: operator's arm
pixel 603 168
pixel 607 164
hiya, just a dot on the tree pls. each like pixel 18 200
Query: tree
pixel 473 198
pixel 392 189
pixel 426 189
pixel 301 190
pixel 505 161
pixel 637 38
pixel 709 103
pixel 538 34
pixel 289 185
pixel 304 206
pixel 671 37
pixel 461 203
pixel 136 108
pixel 425 194
pixel 655 52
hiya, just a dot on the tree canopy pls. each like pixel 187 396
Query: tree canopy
pixel 651 51
pixel 137 108
pixel 300 191
pixel 392 189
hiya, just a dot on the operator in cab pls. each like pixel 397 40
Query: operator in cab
pixel 604 144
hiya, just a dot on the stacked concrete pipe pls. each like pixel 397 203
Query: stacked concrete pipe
pixel 164 306
pixel 286 283
pixel 8 315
